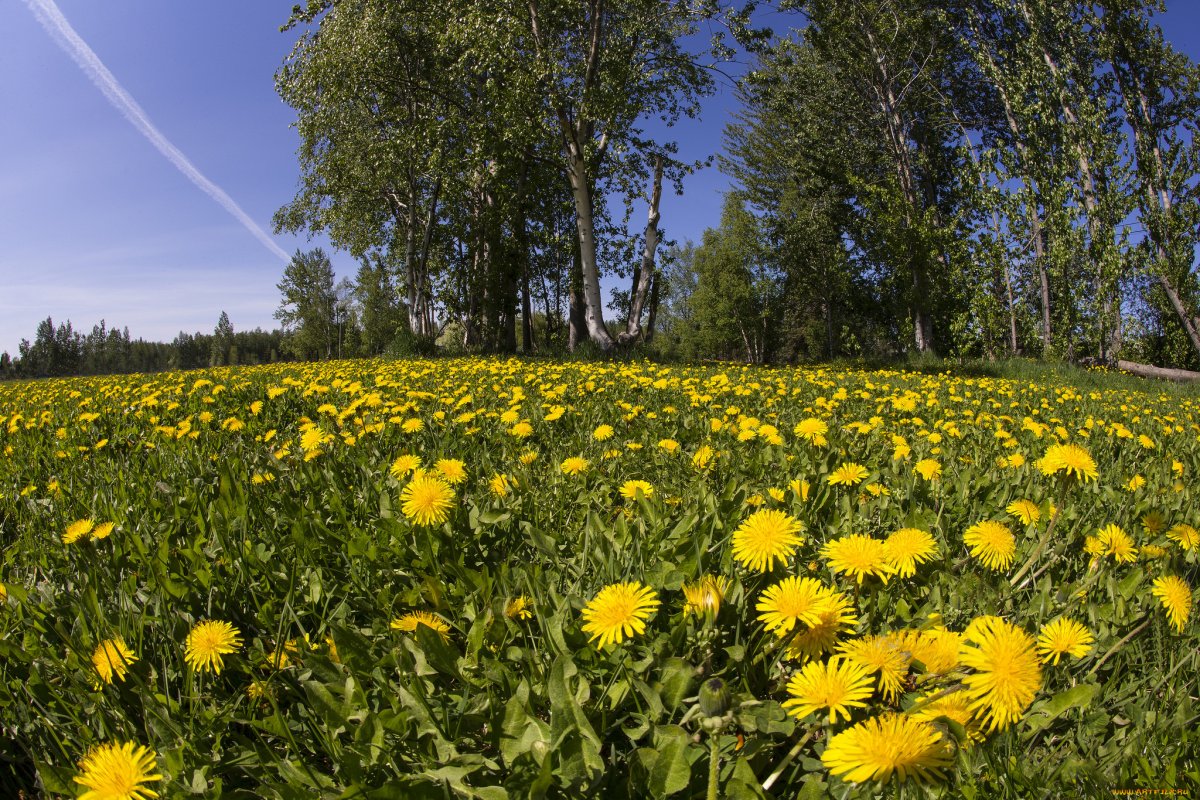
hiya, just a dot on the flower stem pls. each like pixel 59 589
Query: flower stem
pixel 714 767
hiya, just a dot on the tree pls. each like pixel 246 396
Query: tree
pixel 309 305
pixel 222 343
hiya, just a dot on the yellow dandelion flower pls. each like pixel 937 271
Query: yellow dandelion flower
pixel 208 641
pixel 102 530
pixel 518 608
pixel 77 530
pixel 886 746
pixel 812 430
pixel 1117 543
pixel 703 457
pixel 409 622
pixel 1024 510
pixel 670 445
pixel 1007 674
pixel 112 659
pixel 908 547
pixel 118 771
pixel 1187 536
pixel 765 536
pixel 619 611
pixel 1153 523
pixel 823 637
pixel 452 470
pixel 793 600
pixel 500 485
pixel 528 457
pixel 522 430
pixel 705 595
pixel 631 489
pixel 1176 597
pixel 801 489
pixel 936 649
pixel 574 466
pixel 928 469
pixel 404 464
pixel 1135 483
pixel 955 707
pixel 858 556
pixel 426 500
pixel 992 543
pixel 1064 636
pixel 882 654
pixel 602 433
pixel 837 684
pixel 1069 459
pixel 848 474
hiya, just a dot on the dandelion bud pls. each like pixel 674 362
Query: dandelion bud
pixel 714 698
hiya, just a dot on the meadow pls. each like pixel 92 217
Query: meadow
pixel 484 578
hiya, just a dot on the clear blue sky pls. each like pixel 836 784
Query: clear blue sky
pixel 95 222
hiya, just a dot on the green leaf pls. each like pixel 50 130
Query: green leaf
pixel 671 771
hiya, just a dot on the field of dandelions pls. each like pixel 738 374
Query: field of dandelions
pixel 492 579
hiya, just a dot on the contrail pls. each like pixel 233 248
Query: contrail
pixel 60 30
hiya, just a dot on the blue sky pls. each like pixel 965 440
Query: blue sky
pixel 96 223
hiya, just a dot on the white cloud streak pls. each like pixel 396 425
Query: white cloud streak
pixel 50 18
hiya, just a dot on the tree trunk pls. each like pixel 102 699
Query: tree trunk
pixel 645 273
pixel 577 331
pixel 653 311
pixel 1148 371
pixel 581 192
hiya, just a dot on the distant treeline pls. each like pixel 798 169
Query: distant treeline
pixel 61 350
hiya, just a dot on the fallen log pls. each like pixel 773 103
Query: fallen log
pixel 1148 371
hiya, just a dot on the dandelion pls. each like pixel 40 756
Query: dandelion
pixel 1187 536
pixel 102 530
pixel 518 608
pixel 936 650
pixel 118 771
pixel 848 474
pixel 426 500
pixel 452 470
pixel 631 489
pixel 881 654
pixel 858 556
pixel 405 464
pixel 1062 637
pixel 837 684
pixel 619 611
pixel 670 445
pixel 412 425
pixel 1116 543
pixel 574 466
pixel 208 641
pixel 602 433
pixel 908 547
pixel 793 600
pixel 77 530
pixel 1024 510
pixel 765 536
pixel 409 622
pixel 705 595
pixel 891 744
pixel 1069 459
pixel 111 659
pixel 1007 674
pixel 812 430
pixel 992 543
pixel 1176 597
pixel 499 485
pixel 823 637
pixel 928 469
pixel 955 707
pixel 801 489
pixel 703 457
pixel 522 430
